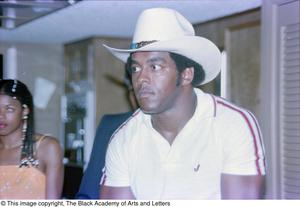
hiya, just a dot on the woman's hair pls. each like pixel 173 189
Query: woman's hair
pixel 19 91
pixel 182 63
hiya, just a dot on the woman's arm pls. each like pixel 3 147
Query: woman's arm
pixel 51 154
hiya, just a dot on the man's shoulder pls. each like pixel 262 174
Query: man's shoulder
pixel 129 126
pixel 110 122
pixel 225 108
pixel 118 116
pixel 230 114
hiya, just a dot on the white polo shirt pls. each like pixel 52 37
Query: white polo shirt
pixel 219 138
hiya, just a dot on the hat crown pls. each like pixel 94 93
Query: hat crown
pixel 161 24
pixel 163 29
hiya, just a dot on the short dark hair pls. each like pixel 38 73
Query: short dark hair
pixel 127 75
pixel 181 63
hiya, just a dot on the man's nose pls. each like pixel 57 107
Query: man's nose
pixel 144 75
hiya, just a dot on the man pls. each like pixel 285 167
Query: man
pixel 89 186
pixel 182 143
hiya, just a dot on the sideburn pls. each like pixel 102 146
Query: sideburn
pixel 178 78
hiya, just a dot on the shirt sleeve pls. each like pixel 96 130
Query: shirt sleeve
pixel 243 152
pixel 116 171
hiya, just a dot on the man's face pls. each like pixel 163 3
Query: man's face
pixel 154 77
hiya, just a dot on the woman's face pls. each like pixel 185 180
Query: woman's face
pixel 11 113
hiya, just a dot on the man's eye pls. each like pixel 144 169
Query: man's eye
pixel 135 69
pixel 156 67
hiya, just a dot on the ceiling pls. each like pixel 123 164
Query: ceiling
pixel 14 13
pixel 67 21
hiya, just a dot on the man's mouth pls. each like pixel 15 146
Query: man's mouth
pixel 145 93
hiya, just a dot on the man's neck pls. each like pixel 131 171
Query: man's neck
pixel 170 123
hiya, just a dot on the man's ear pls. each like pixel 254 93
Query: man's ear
pixel 187 76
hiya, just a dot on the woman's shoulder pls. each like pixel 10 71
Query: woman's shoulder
pixel 48 151
pixel 45 138
pixel 46 142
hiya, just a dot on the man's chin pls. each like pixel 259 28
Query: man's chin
pixel 147 110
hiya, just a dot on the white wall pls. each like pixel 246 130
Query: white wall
pixel 280 105
pixel 27 62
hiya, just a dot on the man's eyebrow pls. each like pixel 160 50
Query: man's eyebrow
pixel 134 62
pixel 151 60
pixel 156 59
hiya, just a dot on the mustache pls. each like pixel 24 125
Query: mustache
pixel 143 90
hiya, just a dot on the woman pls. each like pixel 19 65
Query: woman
pixel 30 164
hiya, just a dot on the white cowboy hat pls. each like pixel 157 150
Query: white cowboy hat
pixel 163 29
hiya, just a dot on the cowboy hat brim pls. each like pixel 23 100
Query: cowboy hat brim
pixel 198 49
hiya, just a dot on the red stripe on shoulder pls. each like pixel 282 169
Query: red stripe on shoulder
pixel 215 104
pixel 259 135
pixel 242 113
